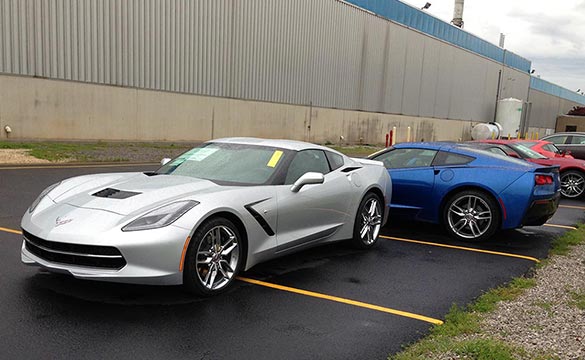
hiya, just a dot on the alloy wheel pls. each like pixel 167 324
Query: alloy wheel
pixel 217 257
pixel 469 216
pixel 371 221
pixel 572 184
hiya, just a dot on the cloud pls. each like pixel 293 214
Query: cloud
pixel 549 33
pixel 566 72
pixel 560 32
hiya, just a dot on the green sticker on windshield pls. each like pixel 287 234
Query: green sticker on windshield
pixel 202 153
pixel 196 154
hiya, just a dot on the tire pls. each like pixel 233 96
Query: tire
pixel 368 222
pixel 572 184
pixel 471 215
pixel 210 265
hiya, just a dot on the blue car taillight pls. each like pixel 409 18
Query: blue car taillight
pixel 543 179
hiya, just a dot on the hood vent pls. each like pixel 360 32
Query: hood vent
pixel 115 194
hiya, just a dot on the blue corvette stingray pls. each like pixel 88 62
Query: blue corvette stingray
pixel 472 192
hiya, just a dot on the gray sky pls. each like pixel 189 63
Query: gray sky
pixel 549 33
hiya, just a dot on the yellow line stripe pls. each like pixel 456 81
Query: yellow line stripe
pixel 319 295
pixel 462 248
pixel 342 300
pixel 572 207
pixel 561 226
pixel 75 166
pixel 11 231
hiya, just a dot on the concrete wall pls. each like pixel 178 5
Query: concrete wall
pixel 56 109
pixel 563 121
pixel 308 54
pixel 546 108
pixel 324 53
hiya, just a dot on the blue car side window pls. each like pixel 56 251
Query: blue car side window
pixel 407 158
pixel 447 158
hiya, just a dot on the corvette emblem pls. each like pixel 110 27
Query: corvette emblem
pixel 60 221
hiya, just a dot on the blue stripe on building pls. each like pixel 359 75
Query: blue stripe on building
pixel 414 18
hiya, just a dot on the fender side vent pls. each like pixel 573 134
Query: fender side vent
pixel 263 223
pixel 350 168
pixel 114 194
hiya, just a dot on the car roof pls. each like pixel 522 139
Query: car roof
pixel 564 133
pixel 502 141
pixel 461 148
pixel 278 143
pixel 435 145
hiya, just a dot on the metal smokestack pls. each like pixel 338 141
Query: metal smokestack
pixel 502 39
pixel 458 14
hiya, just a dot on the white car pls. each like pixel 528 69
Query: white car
pixel 215 210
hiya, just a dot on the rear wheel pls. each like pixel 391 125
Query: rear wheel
pixel 368 222
pixel 572 184
pixel 471 215
pixel 214 257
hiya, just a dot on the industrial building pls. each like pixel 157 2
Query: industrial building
pixel 315 70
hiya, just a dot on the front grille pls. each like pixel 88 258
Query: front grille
pixel 105 257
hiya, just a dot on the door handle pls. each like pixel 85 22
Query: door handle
pixel 437 171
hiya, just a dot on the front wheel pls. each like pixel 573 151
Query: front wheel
pixel 471 215
pixel 572 184
pixel 368 222
pixel 214 257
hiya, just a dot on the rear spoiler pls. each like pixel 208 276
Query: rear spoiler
pixel 368 162
pixel 547 169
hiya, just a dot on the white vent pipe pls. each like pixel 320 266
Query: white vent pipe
pixel 458 14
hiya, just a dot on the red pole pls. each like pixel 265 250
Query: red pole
pixel 390 138
pixel 387 136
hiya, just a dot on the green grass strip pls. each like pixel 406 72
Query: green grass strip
pixel 449 338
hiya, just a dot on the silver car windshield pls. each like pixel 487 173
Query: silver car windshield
pixel 224 163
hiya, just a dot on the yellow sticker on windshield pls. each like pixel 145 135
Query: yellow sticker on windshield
pixel 274 159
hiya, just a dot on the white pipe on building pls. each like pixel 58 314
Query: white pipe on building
pixel 458 14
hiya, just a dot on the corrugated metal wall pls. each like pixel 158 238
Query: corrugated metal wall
pixel 546 108
pixel 558 91
pixel 321 52
pixel 412 17
pixel 169 45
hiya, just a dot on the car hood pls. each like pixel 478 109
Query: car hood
pixel 128 193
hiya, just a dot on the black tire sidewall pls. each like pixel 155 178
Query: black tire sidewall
pixel 190 279
pixel 356 240
pixel 494 207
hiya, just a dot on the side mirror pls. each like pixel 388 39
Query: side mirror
pixel 164 161
pixel 307 179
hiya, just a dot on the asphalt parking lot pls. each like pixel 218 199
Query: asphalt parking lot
pixel 328 302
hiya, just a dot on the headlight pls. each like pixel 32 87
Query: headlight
pixel 40 197
pixel 161 217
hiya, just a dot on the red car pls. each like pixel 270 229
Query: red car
pixel 545 148
pixel 572 171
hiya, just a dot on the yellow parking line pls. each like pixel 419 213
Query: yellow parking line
pixel 342 300
pixel 76 166
pixel 463 248
pixel 318 295
pixel 561 226
pixel 572 207
pixel 11 231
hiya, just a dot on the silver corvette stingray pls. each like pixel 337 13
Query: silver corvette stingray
pixel 215 210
